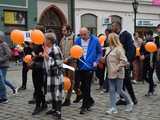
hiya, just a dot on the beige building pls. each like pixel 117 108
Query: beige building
pixel 98 14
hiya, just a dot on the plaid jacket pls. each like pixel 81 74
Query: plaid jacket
pixel 55 77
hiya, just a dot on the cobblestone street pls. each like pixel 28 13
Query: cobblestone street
pixel 18 108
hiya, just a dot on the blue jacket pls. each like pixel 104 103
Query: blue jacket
pixel 93 53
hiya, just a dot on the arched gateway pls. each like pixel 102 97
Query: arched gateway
pixel 52 18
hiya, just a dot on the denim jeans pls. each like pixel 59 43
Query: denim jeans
pixel 3 94
pixel 115 86
pixel 4 72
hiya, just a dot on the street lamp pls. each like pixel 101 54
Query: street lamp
pixel 135 8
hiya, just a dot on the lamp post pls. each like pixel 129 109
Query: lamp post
pixel 135 8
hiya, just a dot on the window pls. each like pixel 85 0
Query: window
pixel 15 17
pixel 89 21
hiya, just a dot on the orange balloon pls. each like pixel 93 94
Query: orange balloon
pixel 102 39
pixel 17 37
pixel 37 37
pixel 76 52
pixel 138 51
pixel 27 59
pixel 67 83
pixel 151 47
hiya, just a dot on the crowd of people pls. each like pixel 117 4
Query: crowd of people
pixel 113 64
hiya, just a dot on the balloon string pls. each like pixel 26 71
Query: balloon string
pixel 84 63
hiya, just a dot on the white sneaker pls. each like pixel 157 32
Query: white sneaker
pixel 129 108
pixel 15 92
pixel 134 81
pixel 111 111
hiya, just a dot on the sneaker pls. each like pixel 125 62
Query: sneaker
pixel 83 111
pixel 32 101
pixel 15 91
pixel 121 102
pixel 78 99
pixel 22 88
pixel 37 110
pixel 150 94
pixel 111 111
pixel 4 101
pixel 50 112
pixel 129 108
pixel 134 82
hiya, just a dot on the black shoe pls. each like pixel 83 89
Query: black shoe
pixel 121 102
pixel 4 101
pixel 22 88
pixel 49 102
pixel 37 110
pixel 150 94
pixel 83 110
pixel 44 106
pixel 135 102
pixel 78 99
pixel 58 115
pixel 32 101
pixel 50 112
pixel 66 103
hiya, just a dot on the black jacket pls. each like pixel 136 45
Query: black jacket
pixel 127 42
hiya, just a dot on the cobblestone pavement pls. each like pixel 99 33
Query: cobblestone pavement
pixel 148 108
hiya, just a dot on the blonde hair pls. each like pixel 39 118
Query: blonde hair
pixel 114 40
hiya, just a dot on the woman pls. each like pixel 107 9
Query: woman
pixel 54 65
pixel 137 64
pixel 116 61
pixel 38 79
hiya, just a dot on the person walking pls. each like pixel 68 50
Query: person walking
pixel 137 64
pixel 116 62
pixel 5 55
pixel 38 77
pixel 148 64
pixel 86 65
pixel 130 52
pixel 157 54
pixel 66 43
pixel 54 61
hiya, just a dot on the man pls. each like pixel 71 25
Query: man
pixel 5 55
pixel 127 42
pixel 157 41
pixel 86 65
pixel 148 63
pixel 65 45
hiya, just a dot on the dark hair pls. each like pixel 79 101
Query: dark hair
pixel 40 27
pixel 108 30
pixel 100 35
pixel 134 34
pixel 118 24
pixel 149 32
pixel 158 26
pixel 68 27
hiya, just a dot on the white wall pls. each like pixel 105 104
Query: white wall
pixel 102 8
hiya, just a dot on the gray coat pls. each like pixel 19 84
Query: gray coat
pixel 5 54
